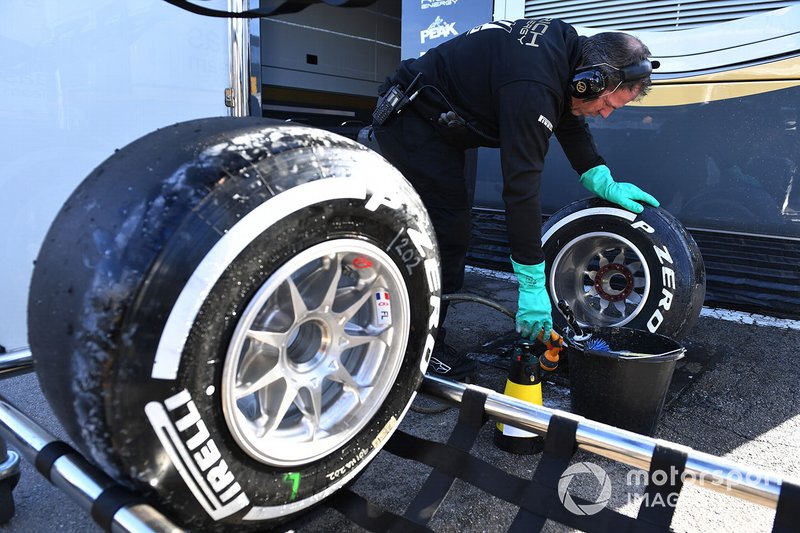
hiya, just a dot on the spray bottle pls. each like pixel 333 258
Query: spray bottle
pixel 524 383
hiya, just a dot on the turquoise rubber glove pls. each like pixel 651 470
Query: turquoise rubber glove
pixel 534 312
pixel 627 195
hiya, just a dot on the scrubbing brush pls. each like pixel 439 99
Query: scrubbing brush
pixel 583 339
pixel 596 344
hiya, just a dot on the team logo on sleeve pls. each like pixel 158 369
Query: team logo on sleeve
pixel 547 123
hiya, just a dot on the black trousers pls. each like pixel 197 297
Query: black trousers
pixel 435 166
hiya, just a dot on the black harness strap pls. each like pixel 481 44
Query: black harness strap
pixel 111 500
pixel 559 447
pixel 664 485
pixel 503 485
pixel 458 464
pixel 787 514
pixel 369 516
pixel 49 454
pixel 541 500
pixel 471 417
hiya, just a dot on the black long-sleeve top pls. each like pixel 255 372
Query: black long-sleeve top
pixel 509 80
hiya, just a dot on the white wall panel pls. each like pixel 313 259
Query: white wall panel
pixel 79 80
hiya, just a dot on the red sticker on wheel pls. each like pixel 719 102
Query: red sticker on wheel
pixel 362 262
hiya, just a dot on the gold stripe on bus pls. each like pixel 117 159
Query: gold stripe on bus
pixel 785 69
pixel 697 93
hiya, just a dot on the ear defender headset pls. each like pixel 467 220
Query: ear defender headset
pixel 590 82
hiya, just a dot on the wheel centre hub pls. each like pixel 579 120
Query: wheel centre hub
pixel 308 343
pixel 613 282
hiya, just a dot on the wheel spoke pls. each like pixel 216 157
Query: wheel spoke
pixel 309 401
pixel 591 274
pixel 330 295
pixel 359 340
pixel 274 339
pixel 244 389
pixel 275 413
pixel 352 309
pixel 354 341
pixel 635 298
pixel 341 375
pixel 620 306
pixel 620 259
pixel 298 305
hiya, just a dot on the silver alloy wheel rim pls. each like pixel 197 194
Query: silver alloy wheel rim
pixel 603 277
pixel 316 352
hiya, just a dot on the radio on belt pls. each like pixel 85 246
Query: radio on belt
pixel 393 101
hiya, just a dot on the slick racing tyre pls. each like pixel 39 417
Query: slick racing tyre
pixel 617 268
pixel 233 315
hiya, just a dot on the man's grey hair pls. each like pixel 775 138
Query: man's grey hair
pixel 618 50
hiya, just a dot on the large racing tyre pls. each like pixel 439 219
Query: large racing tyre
pixel 616 268
pixel 233 315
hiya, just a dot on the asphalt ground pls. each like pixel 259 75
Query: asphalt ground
pixel 735 395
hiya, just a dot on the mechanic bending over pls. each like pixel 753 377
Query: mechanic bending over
pixel 507 84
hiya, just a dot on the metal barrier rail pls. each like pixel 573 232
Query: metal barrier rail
pixel 15 363
pixel 708 470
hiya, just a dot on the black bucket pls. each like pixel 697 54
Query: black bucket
pixel 627 385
